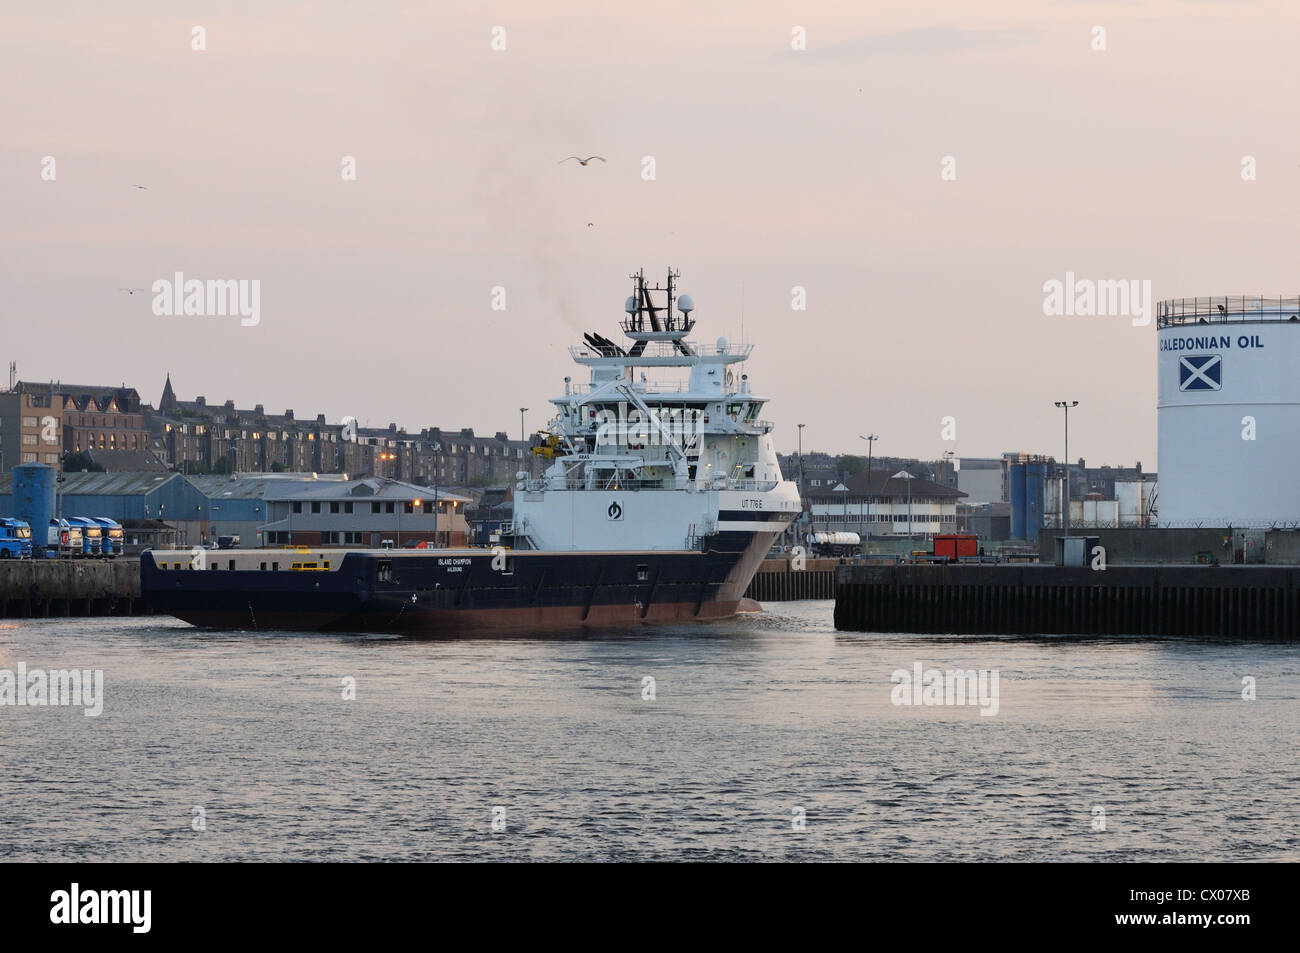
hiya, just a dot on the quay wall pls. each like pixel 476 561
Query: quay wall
pixel 777 580
pixel 69 587
pixel 1228 602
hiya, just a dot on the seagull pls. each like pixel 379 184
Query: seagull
pixel 130 291
pixel 581 161
pixel 590 224
pixel 145 187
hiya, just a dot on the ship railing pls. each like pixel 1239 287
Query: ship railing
pixel 1237 308
pixel 666 349
pixel 581 483
pixel 641 387
pixel 751 486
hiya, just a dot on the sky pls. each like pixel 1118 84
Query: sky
pixel 920 171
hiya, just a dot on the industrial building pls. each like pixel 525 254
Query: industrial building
pixel 982 479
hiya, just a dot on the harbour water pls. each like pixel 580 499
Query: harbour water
pixel 767 737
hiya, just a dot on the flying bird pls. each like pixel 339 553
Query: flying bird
pixel 581 161
pixel 134 186
pixel 130 291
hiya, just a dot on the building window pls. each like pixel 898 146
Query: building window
pixel 388 508
pixel 347 507
pixel 315 507
pixel 374 507
pixel 334 507
pixel 428 506
pixel 408 506
pixel 297 507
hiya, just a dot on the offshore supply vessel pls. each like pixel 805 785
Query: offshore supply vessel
pixel 662 496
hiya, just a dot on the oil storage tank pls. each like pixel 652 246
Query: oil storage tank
pixel 34 498
pixel 1229 411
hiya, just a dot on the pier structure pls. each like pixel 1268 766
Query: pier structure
pixel 1226 602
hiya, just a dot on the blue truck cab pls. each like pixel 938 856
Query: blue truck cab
pixel 111 541
pixel 91 534
pixel 15 539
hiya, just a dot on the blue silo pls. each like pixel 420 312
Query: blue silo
pixel 1035 480
pixel 1018 520
pixel 34 499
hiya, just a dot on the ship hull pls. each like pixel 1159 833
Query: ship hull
pixel 456 593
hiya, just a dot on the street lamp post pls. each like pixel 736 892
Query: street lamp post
pixel 1065 476
pixel 801 500
pixel 909 503
pixel 870 439
pixel 523 436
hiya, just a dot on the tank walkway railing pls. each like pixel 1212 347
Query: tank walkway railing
pixel 1179 311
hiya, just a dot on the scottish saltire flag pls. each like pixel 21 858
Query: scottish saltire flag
pixel 1200 372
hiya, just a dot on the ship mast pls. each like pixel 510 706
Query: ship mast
pixel 641 306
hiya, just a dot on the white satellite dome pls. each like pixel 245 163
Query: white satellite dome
pixel 685 304
pixel 722 344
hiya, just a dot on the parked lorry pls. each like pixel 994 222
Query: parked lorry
pixel 15 539
pixel 111 541
pixel 91 534
pixel 63 540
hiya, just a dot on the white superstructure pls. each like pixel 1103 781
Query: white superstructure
pixel 1229 411
pixel 664 448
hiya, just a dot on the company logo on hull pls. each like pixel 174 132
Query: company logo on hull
pixel 1200 372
